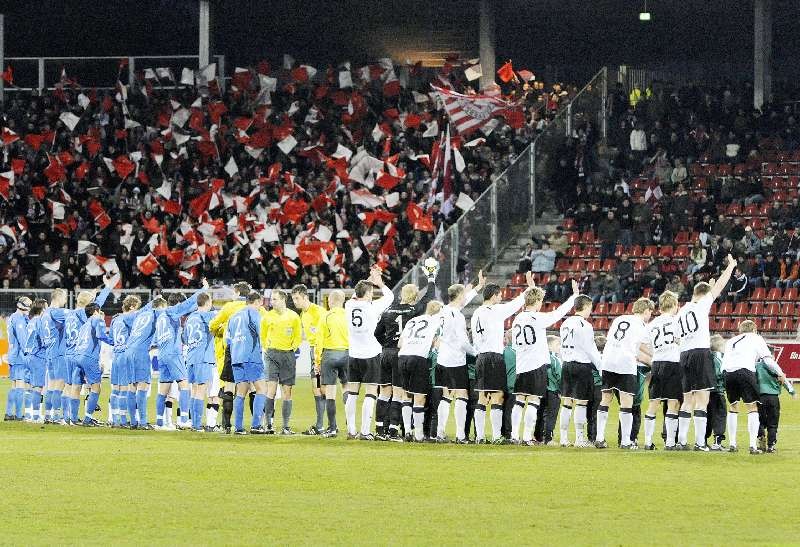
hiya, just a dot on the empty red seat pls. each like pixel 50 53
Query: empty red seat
pixel 773 309
pixel 569 223
pixel 518 279
pixel 774 294
pixel 759 294
pixel 790 294
pixel 751 210
pixel 573 251
pixel 727 324
pixel 593 265
pixel 770 324
pixel 577 265
pixel 617 308
pixel 666 250
pixel 573 237
pixel 786 308
pixel 647 292
pixel 682 237
pixel 681 251
pixel 601 309
pixel 725 308
pixel 724 170
pixel 562 264
pixel 739 169
pixel 608 264
pixel 601 324
pixel 635 251
pixel 742 309
pixel 734 209
pixel 786 325
pixel 587 237
pixel 757 309
pixel 650 250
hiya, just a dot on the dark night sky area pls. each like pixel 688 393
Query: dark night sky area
pixel 534 33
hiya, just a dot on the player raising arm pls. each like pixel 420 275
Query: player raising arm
pixel 696 363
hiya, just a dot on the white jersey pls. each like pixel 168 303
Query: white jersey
pixel 744 351
pixel 693 324
pixel 418 335
pixel 529 336
pixel 665 338
pixel 577 342
pixel 362 318
pixel 488 325
pixel 454 342
pixel 625 335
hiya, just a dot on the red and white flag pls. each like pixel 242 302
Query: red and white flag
pixel 470 112
pixel 654 192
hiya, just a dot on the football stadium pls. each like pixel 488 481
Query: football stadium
pixel 399 272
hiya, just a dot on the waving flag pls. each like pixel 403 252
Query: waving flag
pixel 470 112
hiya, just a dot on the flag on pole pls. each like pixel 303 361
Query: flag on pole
pixel 470 112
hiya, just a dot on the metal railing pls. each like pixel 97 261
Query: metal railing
pixel 518 196
pixel 40 73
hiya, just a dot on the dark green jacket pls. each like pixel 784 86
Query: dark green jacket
pixel 768 383
pixel 510 357
pixel 554 374
pixel 641 374
pixel 720 387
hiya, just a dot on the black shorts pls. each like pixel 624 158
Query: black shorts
pixel 577 381
pixel 490 372
pixel 227 370
pixel 741 385
pixel 416 374
pixel 666 381
pixel 389 367
pixel 697 369
pixel 533 382
pixel 364 371
pixel 452 377
pixel 623 383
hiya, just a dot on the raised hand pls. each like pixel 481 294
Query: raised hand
pixel 575 287
pixel 529 279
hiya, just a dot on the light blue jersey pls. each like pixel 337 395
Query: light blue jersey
pixel 144 324
pixel 74 320
pixel 91 333
pixel 199 341
pixel 243 336
pixel 120 330
pixel 17 337
pixel 53 322
pixel 35 345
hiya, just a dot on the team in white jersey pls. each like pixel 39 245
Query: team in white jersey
pixel 626 346
pixel 529 339
pixel 364 361
pixel 488 331
pixel 665 379
pixel 418 337
pixel 579 355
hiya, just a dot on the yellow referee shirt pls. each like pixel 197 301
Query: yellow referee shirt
pixel 281 331
pixel 331 333
pixel 310 320
pixel 219 324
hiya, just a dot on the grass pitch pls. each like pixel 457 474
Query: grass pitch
pixel 80 486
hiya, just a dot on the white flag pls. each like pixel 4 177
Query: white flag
pixel 345 79
pixel 69 119
pixel 473 72
pixel 231 168
pixel 464 202
pixel 287 144
pixel 187 76
pixel 432 129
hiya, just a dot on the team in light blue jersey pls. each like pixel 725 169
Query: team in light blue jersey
pixel 87 357
pixel 36 353
pixel 200 359
pixel 17 338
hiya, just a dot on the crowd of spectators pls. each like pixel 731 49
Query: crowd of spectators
pixel 174 182
pixel 656 188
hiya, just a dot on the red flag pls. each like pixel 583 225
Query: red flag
pixel 151 225
pixel 506 72
pixel 82 169
pixel 174 258
pixel 388 248
pixel 99 214
pixel 424 223
pixel 295 209
pixel 147 264
pixel 371 217
pixel 4 187
pixel 322 202
pixel 170 206
pixel 387 181
pixel 124 166
pixel 200 204
pixel 18 165
pixel 54 172
pixel 9 136
pixel 38 192
pixel 8 75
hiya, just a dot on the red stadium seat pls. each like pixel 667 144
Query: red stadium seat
pixel 601 324
pixel 759 294
pixel 587 237
pixel 573 237
pixel 593 265
pixel 601 309
pixel 786 325
pixel 666 250
pixel 742 309
pixel 774 295
pixel 724 170
pixel 573 251
pixel 647 292
pixel 518 279
pixel 773 309
pixel 609 264
pixel 682 237
pixel 727 325
pixel 770 324
pixel 725 308
pixel 650 250
pixel 681 251
pixel 734 209
pixel 713 324
pixel 562 264
pixel 617 308
pixel 635 251
pixel 751 210
pixel 790 294
pixel 757 309
pixel 640 264
pixel 569 223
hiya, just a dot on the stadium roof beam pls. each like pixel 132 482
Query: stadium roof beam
pixel 762 52
pixel 486 43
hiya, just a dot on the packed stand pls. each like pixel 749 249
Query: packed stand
pixel 698 174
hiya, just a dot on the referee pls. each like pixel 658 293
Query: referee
pixel 330 355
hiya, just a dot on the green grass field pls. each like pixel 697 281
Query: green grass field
pixel 77 486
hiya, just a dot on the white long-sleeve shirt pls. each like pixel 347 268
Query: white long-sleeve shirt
pixel 488 326
pixel 625 335
pixel 693 324
pixel 362 318
pixel 745 350
pixel 454 344
pixel 577 342
pixel 529 336
pixel 665 338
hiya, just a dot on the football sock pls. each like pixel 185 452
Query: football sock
pixel 602 419
pixel 350 412
pixel 516 418
pixel 212 409
pixel 419 423
pixel 286 412
pixel 130 400
pixel 227 409
pixel 197 413
pixel 141 406
pixel 395 416
pixel 733 425
pixel 168 413
pixel 113 405
pixel 700 427
pixel 48 404
pixel 480 422
pixel 27 403
pixel 238 413
pixel 367 408
pixel 580 423
pixel 161 405
pixel 381 414
pixel 20 402
pixel 684 418
pixel 752 428
pixel 319 402
pixel 330 406
pixel 405 411
pixel 442 415
pixel 671 422
pixel 37 405
pixel 58 411
pixel 11 404
pixel 184 398
pixel 259 403
pixel 626 424
pixel 531 413
pixel 269 409
pixel 649 428
pixel 496 418
pixel 566 414
pixel 91 404
pixel 461 417
pixel 75 405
